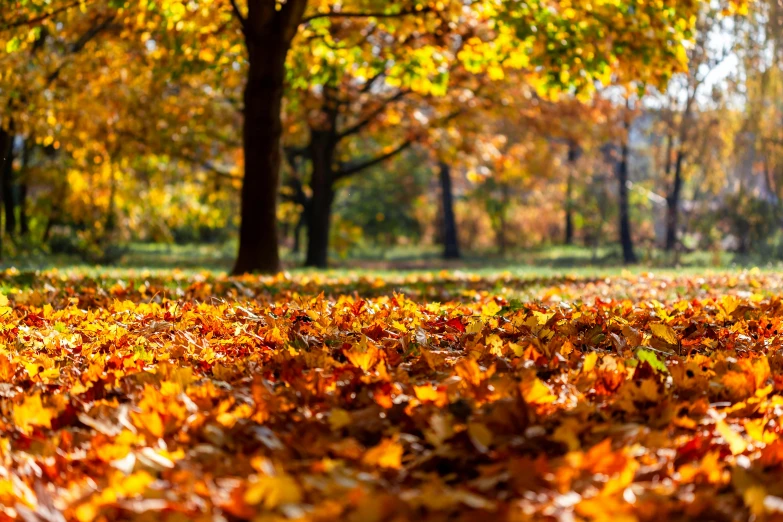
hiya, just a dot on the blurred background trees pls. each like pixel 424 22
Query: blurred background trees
pixel 377 129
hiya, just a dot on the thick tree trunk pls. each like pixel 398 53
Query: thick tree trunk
pixel 268 34
pixel 626 239
pixel 322 148
pixel 673 204
pixel 450 239
pixel 262 130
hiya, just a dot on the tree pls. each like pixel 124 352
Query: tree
pixel 619 49
pixel 95 88
pixel 761 65
pixel 354 95
pixel 579 127
pixel 626 239
pixel 268 32
pixel 681 101
pixel 562 47
pixel 450 238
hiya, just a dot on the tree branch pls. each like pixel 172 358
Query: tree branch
pixel 370 117
pixel 38 19
pixel 291 153
pixel 371 81
pixel 299 197
pixel 292 13
pixel 214 169
pixel 203 163
pixel 353 14
pixel 356 168
pixel 238 15
pixel 79 44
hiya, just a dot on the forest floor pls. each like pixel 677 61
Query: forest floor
pixel 416 395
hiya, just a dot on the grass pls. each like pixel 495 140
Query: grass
pixel 547 261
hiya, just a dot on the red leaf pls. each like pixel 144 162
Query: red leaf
pixel 456 324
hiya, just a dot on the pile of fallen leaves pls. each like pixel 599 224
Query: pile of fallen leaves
pixel 420 397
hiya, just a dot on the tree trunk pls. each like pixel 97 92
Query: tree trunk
pixel 450 239
pixel 322 148
pixel 318 228
pixel 111 213
pixel 568 239
pixel 47 233
pixel 673 204
pixel 626 239
pixel 261 133
pixel 666 175
pixel 268 34
pixel 24 219
pixel 301 225
pixel 7 187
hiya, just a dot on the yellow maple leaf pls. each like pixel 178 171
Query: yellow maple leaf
pixel 7 369
pixel 273 491
pixel 735 441
pixel 363 355
pixel 339 418
pixel 480 435
pixel 590 360
pixel 387 454
pixel 33 413
pixel 535 391
pixel 664 332
pixel 756 429
pixel 426 393
pixel 490 309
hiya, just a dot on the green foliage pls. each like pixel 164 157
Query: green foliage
pixel 652 359
pixel 751 220
pixel 384 205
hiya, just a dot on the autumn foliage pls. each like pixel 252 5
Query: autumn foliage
pixel 425 397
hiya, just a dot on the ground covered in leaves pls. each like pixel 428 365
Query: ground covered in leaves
pixel 413 397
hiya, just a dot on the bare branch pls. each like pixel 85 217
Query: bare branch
pixel 358 167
